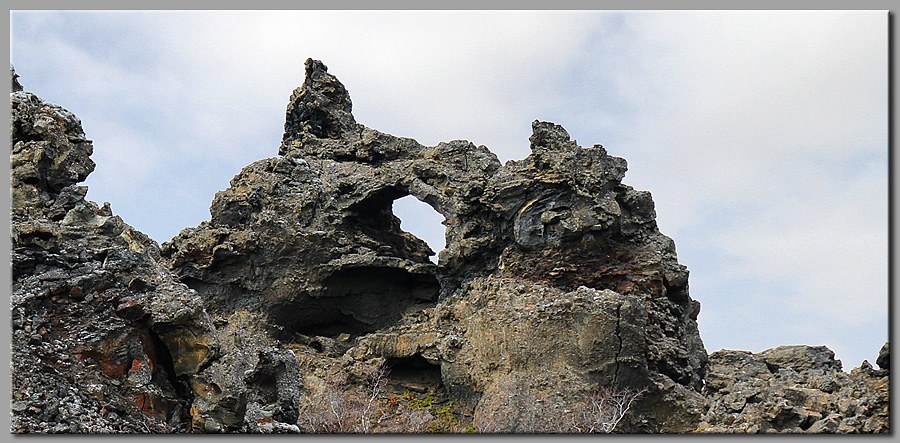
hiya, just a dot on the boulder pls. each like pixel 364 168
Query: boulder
pixel 884 357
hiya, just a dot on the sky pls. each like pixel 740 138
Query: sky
pixel 762 135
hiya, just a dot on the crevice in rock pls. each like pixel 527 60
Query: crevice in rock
pixel 194 283
pixel 162 358
pixel 618 342
pixel 33 181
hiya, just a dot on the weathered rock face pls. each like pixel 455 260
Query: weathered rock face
pixel 104 339
pixel 554 271
pixel 794 389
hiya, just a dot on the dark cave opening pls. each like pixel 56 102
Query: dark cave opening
pixel 414 374
pixel 366 281
pixel 360 300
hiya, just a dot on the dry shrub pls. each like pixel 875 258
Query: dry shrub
pixel 605 409
pixel 339 408
pixel 511 407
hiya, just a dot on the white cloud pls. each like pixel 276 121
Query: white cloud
pixel 762 135
pixel 766 152
pixel 133 156
pixel 834 243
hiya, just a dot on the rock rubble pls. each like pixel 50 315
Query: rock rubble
pixel 794 389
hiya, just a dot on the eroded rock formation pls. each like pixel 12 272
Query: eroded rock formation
pixel 103 338
pixel 555 281
pixel 554 271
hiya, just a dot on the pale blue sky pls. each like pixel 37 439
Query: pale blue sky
pixel 761 135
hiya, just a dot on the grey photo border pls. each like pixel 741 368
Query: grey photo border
pixel 620 5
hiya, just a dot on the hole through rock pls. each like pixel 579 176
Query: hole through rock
pixel 422 221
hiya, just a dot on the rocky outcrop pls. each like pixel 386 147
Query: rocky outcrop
pixel 794 389
pixel 884 357
pixel 301 296
pixel 103 338
pixel 554 272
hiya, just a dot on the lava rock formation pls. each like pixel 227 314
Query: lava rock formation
pixel 554 282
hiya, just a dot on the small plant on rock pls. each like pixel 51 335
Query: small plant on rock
pixel 422 415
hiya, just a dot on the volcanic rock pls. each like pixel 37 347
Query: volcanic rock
pixel 93 350
pixel 793 389
pixel 302 298
pixel 884 357
pixel 554 272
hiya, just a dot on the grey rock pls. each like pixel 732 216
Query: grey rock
pixel 801 358
pixel 884 357
pixel 321 107
pixel 792 389
pixel 72 263
pixel 16 86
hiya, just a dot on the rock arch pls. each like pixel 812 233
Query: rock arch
pixel 421 220
pixel 552 243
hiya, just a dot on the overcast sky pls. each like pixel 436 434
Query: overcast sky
pixel 763 136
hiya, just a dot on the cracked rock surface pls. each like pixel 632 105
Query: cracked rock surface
pixel 555 282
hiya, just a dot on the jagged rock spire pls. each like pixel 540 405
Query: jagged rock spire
pixel 548 135
pixel 16 86
pixel 50 150
pixel 321 107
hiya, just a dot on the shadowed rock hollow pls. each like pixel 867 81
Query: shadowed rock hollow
pixel 554 282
